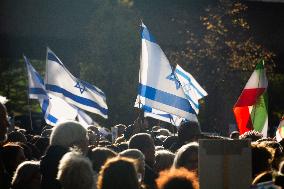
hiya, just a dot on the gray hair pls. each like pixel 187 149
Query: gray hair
pixel 75 171
pixel 67 133
pixel 137 155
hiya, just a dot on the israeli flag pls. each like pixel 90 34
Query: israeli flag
pixel 36 83
pixel 53 108
pixel 193 91
pixel 60 82
pixel 163 116
pixel 84 119
pixel 158 85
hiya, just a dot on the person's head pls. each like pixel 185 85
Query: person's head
pixel 12 155
pixel 261 158
pixel 75 171
pixel 263 177
pixel 138 156
pixel 16 136
pixel 187 157
pixel 188 132
pixel 235 135
pixel 118 173
pixel 27 176
pixel 4 124
pixel 164 160
pixel 164 132
pixel 144 143
pixel 169 142
pixel 68 134
pixel 177 179
pixel 99 156
pixel 252 135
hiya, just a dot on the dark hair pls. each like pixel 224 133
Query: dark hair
pixel 99 156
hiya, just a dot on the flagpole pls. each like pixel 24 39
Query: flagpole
pixel 29 106
pixel 139 88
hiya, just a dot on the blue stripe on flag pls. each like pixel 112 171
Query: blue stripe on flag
pixel 44 106
pixel 93 88
pixel 150 110
pixel 190 99
pixel 37 91
pixel 52 119
pixel 187 78
pixel 76 98
pixel 145 34
pixel 165 98
pixel 51 56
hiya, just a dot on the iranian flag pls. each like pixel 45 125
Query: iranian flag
pixel 251 108
pixel 280 130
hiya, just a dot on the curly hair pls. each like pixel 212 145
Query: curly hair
pixel 177 178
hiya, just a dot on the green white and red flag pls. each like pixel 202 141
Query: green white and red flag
pixel 251 109
pixel 280 130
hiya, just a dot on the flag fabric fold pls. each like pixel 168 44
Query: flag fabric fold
pixel 251 109
pixel 61 83
pixel 53 108
pixel 193 91
pixel 163 116
pixel 158 85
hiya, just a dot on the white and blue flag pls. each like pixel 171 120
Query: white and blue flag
pixel 60 82
pixel 53 108
pixel 84 119
pixel 158 85
pixel 193 91
pixel 163 116
pixel 36 84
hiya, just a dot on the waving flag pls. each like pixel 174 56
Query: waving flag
pixel 280 130
pixel 251 108
pixel 84 119
pixel 193 91
pixel 158 85
pixel 160 115
pixel 53 108
pixel 36 84
pixel 60 82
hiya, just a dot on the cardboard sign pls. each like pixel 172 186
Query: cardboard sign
pixel 224 164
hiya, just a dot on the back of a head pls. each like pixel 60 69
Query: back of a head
pixel 164 160
pixel 16 136
pixel 261 158
pixel 10 154
pixel 67 134
pixel 187 156
pixel 118 173
pixel 177 179
pixel 137 155
pixel 140 141
pixel 75 171
pixel 25 174
pixel 188 132
pixel 144 143
pixel 99 156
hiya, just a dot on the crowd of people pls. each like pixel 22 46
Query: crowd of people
pixel 70 156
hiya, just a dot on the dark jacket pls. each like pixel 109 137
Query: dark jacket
pixel 49 167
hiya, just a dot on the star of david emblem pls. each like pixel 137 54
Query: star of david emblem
pixel 80 86
pixel 172 77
